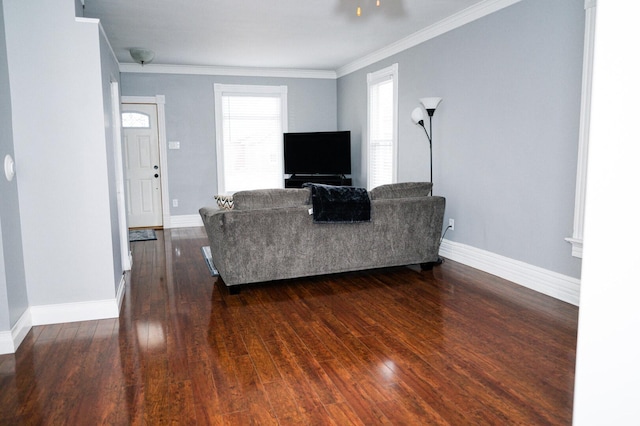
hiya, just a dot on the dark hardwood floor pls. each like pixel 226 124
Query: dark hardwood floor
pixel 396 346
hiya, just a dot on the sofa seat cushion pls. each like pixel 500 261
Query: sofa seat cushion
pixel 271 198
pixel 401 190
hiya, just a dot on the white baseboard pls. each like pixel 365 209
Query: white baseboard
pixel 57 314
pixel 6 343
pixel 73 312
pixel 10 340
pixel 186 221
pixel 552 284
pixel 120 293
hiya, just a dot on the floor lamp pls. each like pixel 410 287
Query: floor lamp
pixel 430 105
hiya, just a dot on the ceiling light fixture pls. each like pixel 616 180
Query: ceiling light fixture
pixel 359 9
pixel 142 55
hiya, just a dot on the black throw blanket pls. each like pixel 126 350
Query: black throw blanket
pixel 332 204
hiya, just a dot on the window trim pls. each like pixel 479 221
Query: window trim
pixel 242 89
pixel 374 78
pixel 577 237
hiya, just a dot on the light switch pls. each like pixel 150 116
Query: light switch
pixel 174 145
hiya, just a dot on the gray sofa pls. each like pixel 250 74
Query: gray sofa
pixel 271 235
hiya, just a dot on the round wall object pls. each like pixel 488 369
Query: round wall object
pixel 9 167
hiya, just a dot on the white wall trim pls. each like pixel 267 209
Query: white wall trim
pixel 73 312
pixel 125 247
pixel 186 221
pixel 457 20
pixel 576 244
pixel 230 71
pixel 62 313
pixel 577 237
pixel 10 340
pixel 120 292
pixel 87 20
pixel 551 283
pixel 164 164
pixel 6 343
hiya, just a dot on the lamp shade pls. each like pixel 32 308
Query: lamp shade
pixel 141 55
pixel 417 115
pixel 430 104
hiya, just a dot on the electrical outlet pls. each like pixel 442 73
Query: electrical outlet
pixel 175 202
pixel 451 224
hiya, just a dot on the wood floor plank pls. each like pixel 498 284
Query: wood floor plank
pixel 261 358
pixel 307 400
pixel 342 414
pixel 257 402
pixel 360 398
pixel 451 346
pixel 284 403
pixel 313 371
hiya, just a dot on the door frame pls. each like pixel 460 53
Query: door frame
pixel 159 102
pixel 125 248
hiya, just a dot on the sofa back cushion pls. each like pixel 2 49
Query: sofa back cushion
pixel 401 190
pixel 271 198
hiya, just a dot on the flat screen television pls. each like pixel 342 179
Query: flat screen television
pixel 327 153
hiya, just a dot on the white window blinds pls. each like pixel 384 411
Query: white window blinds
pixel 382 126
pixel 250 122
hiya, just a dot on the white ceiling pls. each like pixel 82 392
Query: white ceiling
pixel 291 34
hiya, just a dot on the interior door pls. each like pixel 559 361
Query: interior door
pixel 142 165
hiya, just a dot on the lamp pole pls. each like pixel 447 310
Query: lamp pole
pixel 430 105
pixel 421 123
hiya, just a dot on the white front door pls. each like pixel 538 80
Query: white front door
pixel 142 165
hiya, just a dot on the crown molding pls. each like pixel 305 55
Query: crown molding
pixel 220 70
pixel 457 20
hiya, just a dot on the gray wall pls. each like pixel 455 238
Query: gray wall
pixel 506 133
pixel 58 121
pixel 13 287
pixel 189 110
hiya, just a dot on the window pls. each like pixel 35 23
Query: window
pixel 382 134
pixel 135 120
pixel 250 122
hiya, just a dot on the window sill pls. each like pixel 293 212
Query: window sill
pixel 576 247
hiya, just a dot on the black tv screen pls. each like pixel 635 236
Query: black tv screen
pixel 317 153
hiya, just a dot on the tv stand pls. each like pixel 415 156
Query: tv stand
pixel 296 181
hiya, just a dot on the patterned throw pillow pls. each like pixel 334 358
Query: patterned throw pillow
pixel 224 201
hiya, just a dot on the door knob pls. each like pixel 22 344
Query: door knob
pixel 155 167
pixel 156 175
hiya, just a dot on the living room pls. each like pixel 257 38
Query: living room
pixel 505 153
pixel 483 172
